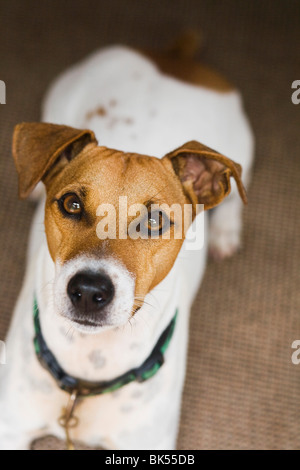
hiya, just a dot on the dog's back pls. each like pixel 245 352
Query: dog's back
pixel 125 98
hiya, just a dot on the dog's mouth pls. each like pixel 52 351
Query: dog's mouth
pixel 88 323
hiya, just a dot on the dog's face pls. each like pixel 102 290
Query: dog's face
pixel 102 276
pixel 103 281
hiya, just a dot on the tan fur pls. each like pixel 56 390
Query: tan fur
pixel 31 161
pixel 189 71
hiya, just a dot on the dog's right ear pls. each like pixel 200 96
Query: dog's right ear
pixel 38 147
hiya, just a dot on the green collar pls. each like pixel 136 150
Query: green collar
pixel 86 388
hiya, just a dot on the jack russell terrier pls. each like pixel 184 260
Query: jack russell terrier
pixel 97 346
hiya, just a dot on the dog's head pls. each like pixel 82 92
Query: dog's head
pixel 108 230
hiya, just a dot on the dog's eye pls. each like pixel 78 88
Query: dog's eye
pixel 156 223
pixel 71 205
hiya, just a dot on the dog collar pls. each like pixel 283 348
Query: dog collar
pixel 85 388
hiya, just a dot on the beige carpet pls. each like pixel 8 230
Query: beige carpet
pixel 242 390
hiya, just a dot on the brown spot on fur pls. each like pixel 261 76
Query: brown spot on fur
pixel 117 120
pixel 112 123
pixel 97 359
pixel 100 111
pixel 128 120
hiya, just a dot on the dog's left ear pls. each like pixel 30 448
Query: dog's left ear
pixel 38 147
pixel 205 174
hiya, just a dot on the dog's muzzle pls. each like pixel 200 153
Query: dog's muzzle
pixel 93 292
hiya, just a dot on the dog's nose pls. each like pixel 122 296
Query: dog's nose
pixel 90 292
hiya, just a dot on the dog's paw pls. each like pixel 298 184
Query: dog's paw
pixel 223 243
pixel 224 233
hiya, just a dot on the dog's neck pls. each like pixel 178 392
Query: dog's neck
pixel 95 356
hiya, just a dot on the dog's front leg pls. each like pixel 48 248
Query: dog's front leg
pixel 16 433
pixel 25 396
pixel 17 429
pixel 13 440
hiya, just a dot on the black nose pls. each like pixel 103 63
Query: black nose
pixel 90 292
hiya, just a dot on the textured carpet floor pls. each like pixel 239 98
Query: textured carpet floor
pixel 242 390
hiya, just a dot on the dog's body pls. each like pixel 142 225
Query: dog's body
pixel 132 106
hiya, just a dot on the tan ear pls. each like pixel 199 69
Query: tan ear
pixel 37 146
pixel 205 174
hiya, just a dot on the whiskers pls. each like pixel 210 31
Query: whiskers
pixel 69 330
pixel 138 303
pixel 47 284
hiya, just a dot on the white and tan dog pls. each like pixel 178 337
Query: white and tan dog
pixel 103 304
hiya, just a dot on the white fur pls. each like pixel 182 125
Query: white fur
pixel 148 113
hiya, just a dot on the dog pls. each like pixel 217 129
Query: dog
pixel 96 350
